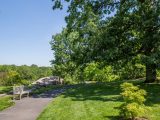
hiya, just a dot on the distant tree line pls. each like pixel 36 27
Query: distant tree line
pixel 12 74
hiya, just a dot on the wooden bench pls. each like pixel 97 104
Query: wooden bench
pixel 19 90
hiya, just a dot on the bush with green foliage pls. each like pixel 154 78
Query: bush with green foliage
pixel 130 71
pixel 75 77
pixel 90 71
pixel 93 72
pixel 134 99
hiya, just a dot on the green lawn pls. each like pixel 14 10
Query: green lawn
pixel 96 102
pixel 5 89
pixel 5 102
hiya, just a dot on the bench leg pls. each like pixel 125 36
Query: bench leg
pixel 20 96
pixel 13 97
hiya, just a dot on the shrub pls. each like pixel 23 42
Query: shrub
pixel 133 105
pixel 68 79
pixel 108 74
pixel 25 82
pixel 130 71
pixel 93 72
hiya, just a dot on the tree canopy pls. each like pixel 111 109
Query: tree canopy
pixel 113 31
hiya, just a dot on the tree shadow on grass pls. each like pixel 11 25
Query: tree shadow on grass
pixel 51 92
pixel 111 92
pixel 113 117
pixel 94 91
pixel 153 93
pixel 104 92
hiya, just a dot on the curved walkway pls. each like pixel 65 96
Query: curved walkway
pixel 29 108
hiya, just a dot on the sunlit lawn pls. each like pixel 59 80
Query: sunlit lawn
pixel 5 89
pixel 96 102
pixel 5 102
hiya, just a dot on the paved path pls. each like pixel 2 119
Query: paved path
pixel 25 109
pixel 29 108
pixel 1 95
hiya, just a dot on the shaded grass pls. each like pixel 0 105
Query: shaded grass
pixel 46 89
pixel 5 102
pixel 97 102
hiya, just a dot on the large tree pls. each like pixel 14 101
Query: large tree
pixel 113 30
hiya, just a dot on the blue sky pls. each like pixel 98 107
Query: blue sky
pixel 26 27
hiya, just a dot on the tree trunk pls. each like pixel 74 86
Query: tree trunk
pixel 151 75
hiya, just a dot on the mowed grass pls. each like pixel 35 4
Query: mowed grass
pixel 5 102
pixel 5 89
pixel 97 102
